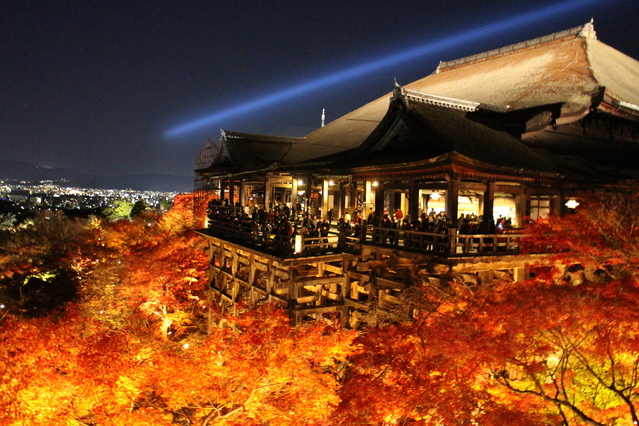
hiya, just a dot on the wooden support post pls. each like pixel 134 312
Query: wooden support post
pixel 324 212
pixel 309 193
pixel 267 191
pixel 270 277
pixel 345 293
pixel 243 194
pixel 379 199
pixel 452 201
pixel 252 270
pixel 221 255
pixel 452 240
pixel 341 201
pixel 222 189
pixel 231 192
pixel 521 274
pixel 413 201
pixel 369 199
pixel 234 262
pixel 294 195
pixel 353 197
pixel 489 204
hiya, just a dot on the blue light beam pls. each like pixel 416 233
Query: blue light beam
pixel 378 64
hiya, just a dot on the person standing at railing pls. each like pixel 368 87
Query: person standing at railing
pixel 406 227
pixel 389 224
pixel 324 228
pixel 304 232
pixel 287 228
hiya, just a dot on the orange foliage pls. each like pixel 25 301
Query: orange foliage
pixel 141 347
pixel 256 370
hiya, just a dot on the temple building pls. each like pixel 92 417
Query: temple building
pixel 504 136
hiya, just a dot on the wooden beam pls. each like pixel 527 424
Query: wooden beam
pixel 318 309
pixel 320 281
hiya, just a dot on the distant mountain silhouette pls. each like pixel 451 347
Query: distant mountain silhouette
pixel 23 171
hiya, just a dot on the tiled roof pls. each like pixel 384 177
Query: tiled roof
pixel 567 68
pixel 520 90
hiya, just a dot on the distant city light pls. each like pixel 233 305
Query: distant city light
pixel 429 48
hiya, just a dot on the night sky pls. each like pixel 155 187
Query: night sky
pixel 98 86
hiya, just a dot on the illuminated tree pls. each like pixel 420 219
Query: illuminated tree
pixel 40 264
pixel 561 348
pixel 153 266
pixel 602 238
pixel 431 371
pixel 576 347
pixel 256 369
pixel 141 346
pixel 118 209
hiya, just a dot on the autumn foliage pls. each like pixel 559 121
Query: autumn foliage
pixel 138 344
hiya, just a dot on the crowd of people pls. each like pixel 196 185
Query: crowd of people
pixel 286 222
pixel 280 220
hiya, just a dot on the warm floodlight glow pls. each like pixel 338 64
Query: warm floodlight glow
pixel 435 196
pixel 299 243
pixel 572 203
pixel 375 183
pixel 423 50
pixel 300 182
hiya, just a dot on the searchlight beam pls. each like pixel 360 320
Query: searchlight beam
pixel 378 64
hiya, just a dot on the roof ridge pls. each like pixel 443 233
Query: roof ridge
pixel 229 134
pixel 441 101
pixel 587 30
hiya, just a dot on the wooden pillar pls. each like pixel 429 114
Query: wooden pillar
pixel 452 201
pixel 369 199
pixel 222 189
pixel 413 201
pixel 324 211
pixel 523 208
pixel 527 195
pixel 379 199
pixel 353 198
pixel 243 195
pixel 489 203
pixel 308 193
pixel 235 262
pixel 267 191
pixel 231 192
pixel 557 205
pixel 294 194
pixel 252 270
pixel 341 210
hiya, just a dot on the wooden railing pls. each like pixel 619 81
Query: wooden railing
pixel 283 244
pixel 448 244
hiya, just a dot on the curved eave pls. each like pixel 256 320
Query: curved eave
pixel 620 109
pixel 446 161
